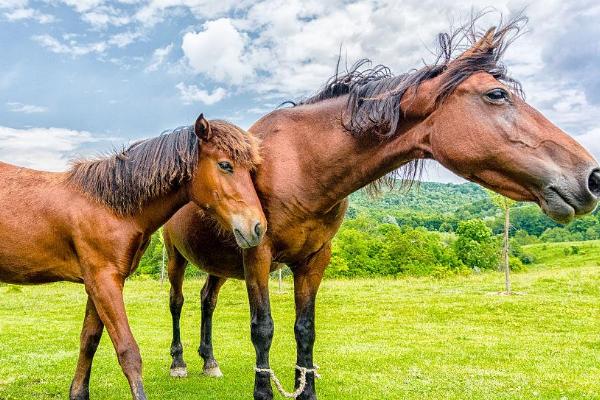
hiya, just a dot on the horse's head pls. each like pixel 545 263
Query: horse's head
pixel 480 128
pixel 222 184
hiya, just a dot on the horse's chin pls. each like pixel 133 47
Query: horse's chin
pixel 557 207
pixel 241 240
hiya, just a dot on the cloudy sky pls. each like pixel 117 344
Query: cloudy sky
pixel 78 77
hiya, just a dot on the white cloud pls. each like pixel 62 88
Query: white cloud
pixel 290 47
pixel 103 16
pixel 25 108
pixel 192 94
pixel 72 48
pixel 13 3
pixel 125 38
pixel 217 52
pixel 29 13
pixel 75 49
pixel 41 148
pixel 158 57
pixel 154 11
pixel 83 5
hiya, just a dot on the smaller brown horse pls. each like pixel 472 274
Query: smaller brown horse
pixel 92 224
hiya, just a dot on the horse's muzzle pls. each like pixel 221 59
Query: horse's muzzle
pixel 249 237
pixel 565 198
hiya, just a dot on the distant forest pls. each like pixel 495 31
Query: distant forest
pixel 432 229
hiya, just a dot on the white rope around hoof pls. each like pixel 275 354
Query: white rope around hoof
pixel 301 387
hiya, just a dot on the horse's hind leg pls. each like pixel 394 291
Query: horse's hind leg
pixel 90 337
pixel 176 270
pixel 208 296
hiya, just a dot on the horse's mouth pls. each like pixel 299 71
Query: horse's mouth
pixel 240 239
pixel 557 205
pixel 243 242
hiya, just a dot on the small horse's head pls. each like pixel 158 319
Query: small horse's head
pixel 222 185
pixel 485 132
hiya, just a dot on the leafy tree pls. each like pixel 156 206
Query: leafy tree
pixel 530 219
pixel 560 234
pixel 476 246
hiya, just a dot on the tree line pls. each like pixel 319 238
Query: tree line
pixel 434 229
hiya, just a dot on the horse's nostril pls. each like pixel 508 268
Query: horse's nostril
pixel 594 183
pixel 258 229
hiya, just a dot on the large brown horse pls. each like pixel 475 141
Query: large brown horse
pixel 462 111
pixel 92 224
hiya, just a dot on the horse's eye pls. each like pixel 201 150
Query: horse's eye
pixel 226 166
pixel 497 95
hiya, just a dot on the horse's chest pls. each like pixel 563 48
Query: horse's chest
pixel 298 237
pixel 296 243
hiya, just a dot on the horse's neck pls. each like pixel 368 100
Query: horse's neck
pixel 336 164
pixel 160 209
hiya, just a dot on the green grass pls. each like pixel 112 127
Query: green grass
pixel 376 339
pixel 567 254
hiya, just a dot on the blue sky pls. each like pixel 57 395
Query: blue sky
pixel 81 77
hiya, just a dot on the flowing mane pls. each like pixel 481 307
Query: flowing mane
pixel 374 93
pixel 126 180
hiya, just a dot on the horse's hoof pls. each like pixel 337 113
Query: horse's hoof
pixel 179 372
pixel 213 372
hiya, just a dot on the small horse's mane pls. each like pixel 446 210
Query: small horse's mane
pixel 374 93
pixel 128 179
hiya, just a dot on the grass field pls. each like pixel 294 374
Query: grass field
pixel 423 338
pixel 568 254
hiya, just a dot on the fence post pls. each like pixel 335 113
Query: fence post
pixel 280 281
pixel 162 266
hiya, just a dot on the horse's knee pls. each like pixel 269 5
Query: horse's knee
pixel 262 331
pixel 176 303
pixel 130 358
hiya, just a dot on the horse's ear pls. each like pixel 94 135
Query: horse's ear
pixel 202 128
pixel 483 45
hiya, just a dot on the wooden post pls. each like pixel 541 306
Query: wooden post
pixel 280 281
pixel 505 256
pixel 162 267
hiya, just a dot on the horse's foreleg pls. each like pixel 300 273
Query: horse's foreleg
pixel 90 337
pixel 176 270
pixel 257 263
pixel 307 278
pixel 208 298
pixel 106 290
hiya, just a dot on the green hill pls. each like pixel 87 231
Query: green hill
pixel 426 196
pixel 567 254
pixel 440 206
